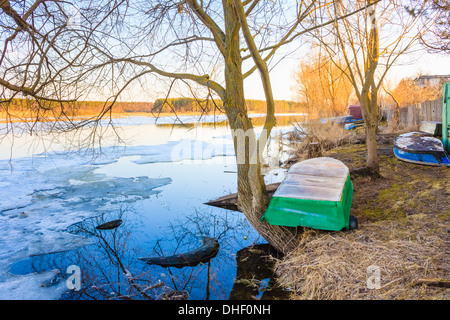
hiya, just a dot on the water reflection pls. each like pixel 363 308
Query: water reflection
pixel 255 277
pixel 211 280
pixel 113 270
pixel 110 269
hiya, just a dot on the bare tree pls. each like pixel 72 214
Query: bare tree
pixel 322 86
pixel 370 42
pixel 216 46
pixel 44 58
pixel 209 47
pixel 406 93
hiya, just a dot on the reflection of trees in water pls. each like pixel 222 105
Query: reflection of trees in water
pixel 254 263
pixel 110 268
pixel 213 278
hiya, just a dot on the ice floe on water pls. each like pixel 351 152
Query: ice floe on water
pixel 44 194
pixel 30 287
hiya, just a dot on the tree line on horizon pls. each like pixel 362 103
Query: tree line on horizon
pixel 21 107
pixel 208 106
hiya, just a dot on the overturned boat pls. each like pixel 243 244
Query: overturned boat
pixel 208 250
pixel 316 193
pixel 420 148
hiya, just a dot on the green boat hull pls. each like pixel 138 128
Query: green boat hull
pixel 316 214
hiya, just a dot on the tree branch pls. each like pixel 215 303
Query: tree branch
pixel 202 80
pixel 286 39
pixel 29 91
pixel 218 34
pixel 260 64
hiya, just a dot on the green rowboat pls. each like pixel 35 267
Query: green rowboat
pixel 316 193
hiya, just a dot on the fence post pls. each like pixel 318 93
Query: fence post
pixel 446 116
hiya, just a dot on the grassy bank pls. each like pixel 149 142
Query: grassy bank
pixel 403 229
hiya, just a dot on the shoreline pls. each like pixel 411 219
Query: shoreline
pixel 16 119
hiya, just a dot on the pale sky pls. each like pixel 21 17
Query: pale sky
pixel 282 80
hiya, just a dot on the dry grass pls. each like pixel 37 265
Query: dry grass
pixel 334 265
pixel 325 135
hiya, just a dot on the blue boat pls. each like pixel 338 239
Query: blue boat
pixel 353 124
pixel 349 126
pixel 421 148
pixel 348 121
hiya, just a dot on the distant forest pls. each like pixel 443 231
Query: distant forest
pixel 30 108
pixel 27 108
pixel 188 105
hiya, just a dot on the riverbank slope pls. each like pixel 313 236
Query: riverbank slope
pixel 403 235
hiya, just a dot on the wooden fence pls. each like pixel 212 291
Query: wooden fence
pixel 411 116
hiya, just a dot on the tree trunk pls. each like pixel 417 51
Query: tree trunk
pixel 369 110
pixel 369 95
pixel 252 194
pixel 372 152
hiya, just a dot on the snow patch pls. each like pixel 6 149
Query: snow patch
pixel 32 287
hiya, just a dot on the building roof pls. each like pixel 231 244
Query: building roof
pixel 434 76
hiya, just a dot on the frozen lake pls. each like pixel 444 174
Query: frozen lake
pixel 156 179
